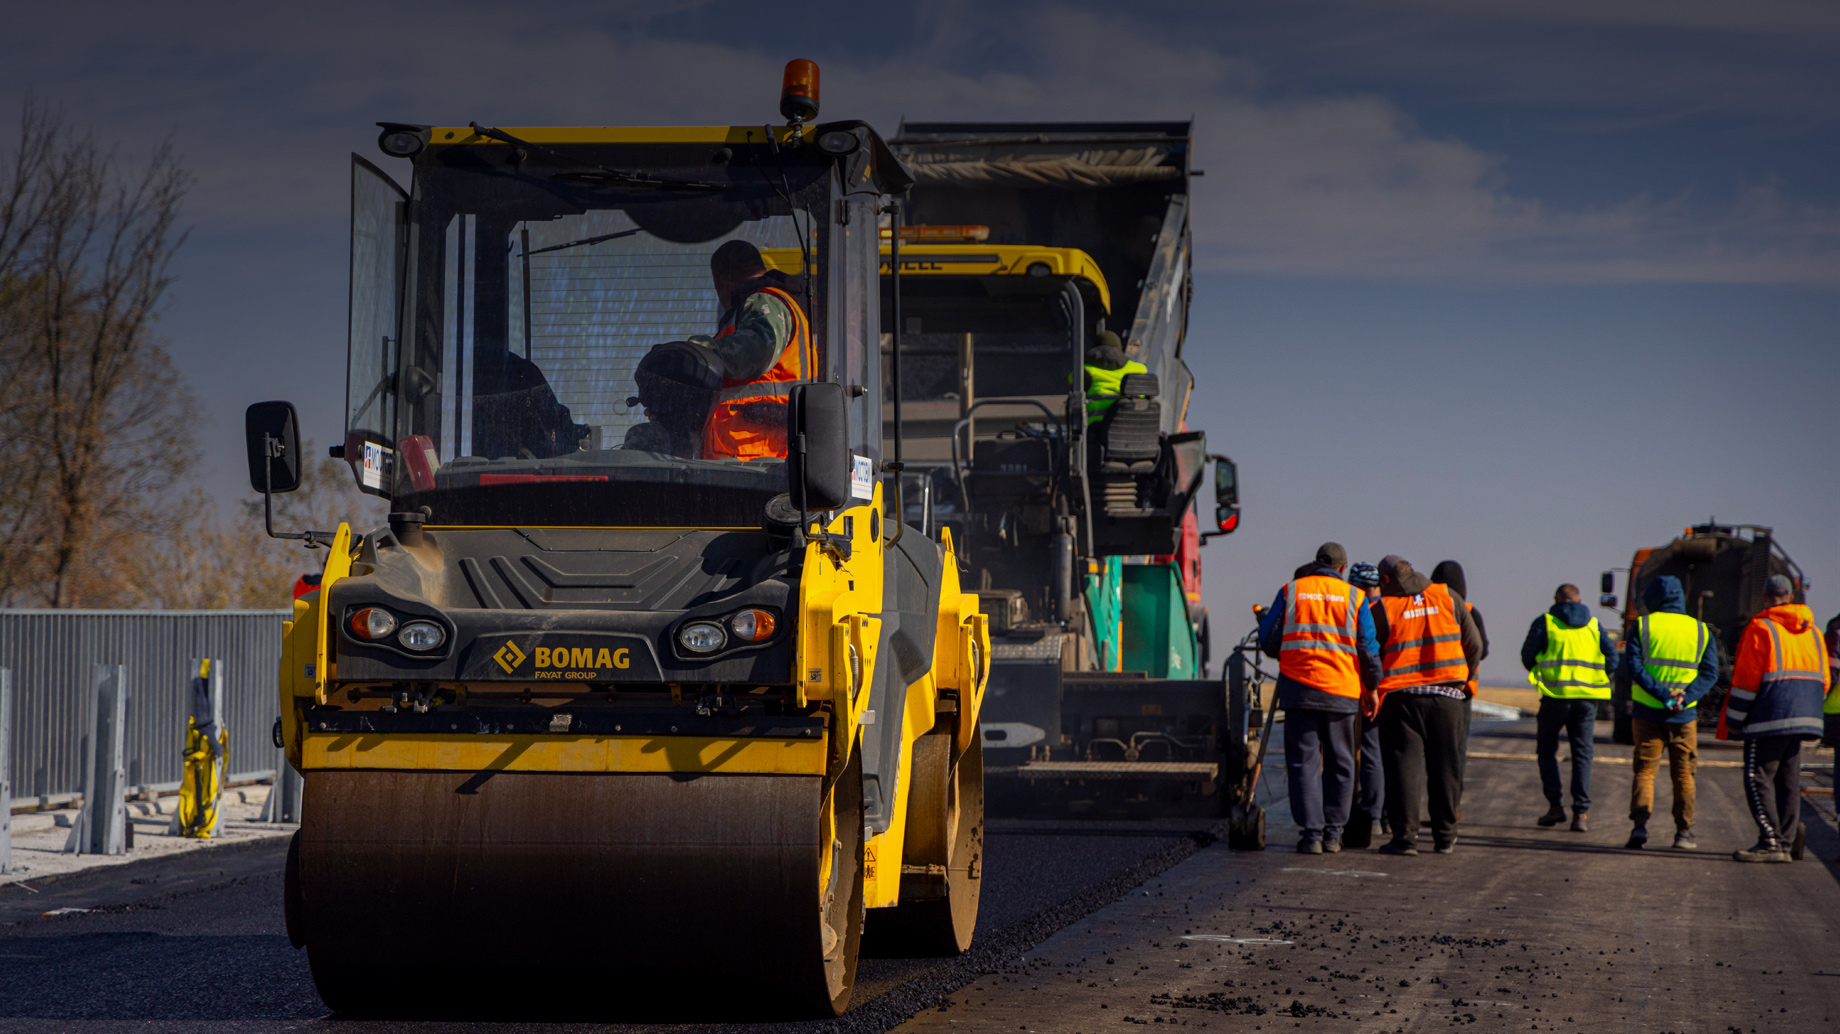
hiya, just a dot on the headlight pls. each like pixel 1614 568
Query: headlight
pixel 421 635
pixel 373 623
pixel 702 637
pixel 837 142
pixel 753 625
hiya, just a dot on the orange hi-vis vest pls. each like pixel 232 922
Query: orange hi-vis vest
pixel 1321 620
pixel 749 418
pixel 1424 641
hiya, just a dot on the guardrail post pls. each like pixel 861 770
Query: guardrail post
pixel 101 827
pixel 6 770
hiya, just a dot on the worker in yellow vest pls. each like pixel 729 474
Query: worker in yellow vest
pixel 1569 658
pixel 1105 370
pixel 1671 662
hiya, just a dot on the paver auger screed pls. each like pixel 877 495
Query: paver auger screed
pixel 604 710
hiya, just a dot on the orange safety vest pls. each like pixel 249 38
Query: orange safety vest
pixel 1424 641
pixel 1322 617
pixel 749 418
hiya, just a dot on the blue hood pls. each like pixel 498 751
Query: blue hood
pixel 1665 594
pixel 1571 615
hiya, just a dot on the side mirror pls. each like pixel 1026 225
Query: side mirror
pixel 273 437
pixel 1226 483
pixel 1226 497
pixel 1608 599
pixel 1607 584
pixel 818 467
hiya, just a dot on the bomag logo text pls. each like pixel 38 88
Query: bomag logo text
pixel 583 657
pixel 563 662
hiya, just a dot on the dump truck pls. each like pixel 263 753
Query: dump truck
pixel 1723 568
pixel 602 711
pixel 1074 511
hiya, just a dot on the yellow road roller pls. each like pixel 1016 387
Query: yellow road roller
pixel 644 697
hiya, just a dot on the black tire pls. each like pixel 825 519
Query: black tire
pixel 291 906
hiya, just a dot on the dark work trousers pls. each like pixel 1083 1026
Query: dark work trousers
pixel 1578 720
pixel 1773 785
pixel 1319 769
pixel 1422 741
pixel 1370 788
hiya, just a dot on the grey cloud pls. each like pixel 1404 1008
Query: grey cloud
pixel 1339 182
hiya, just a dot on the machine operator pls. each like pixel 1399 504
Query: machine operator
pixel 763 344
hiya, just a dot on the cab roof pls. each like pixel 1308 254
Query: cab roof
pixel 890 174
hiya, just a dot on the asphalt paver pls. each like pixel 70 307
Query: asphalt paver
pixel 1521 929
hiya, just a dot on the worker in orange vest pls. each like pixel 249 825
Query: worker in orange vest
pixel 1779 686
pixel 1429 646
pixel 1323 639
pixel 764 344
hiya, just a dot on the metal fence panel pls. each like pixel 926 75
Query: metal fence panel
pixel 53 654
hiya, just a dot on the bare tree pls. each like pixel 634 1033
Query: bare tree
pixel 216 563
pixel 92 414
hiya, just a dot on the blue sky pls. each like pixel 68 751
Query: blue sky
pixel 1528 284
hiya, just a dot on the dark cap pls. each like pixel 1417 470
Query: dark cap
pixel 1778 585
pixel 1331 554
pixel 1390 563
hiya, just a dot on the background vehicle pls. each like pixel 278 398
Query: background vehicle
pixel 598 710
pixel 1723 568
pixel 1019 245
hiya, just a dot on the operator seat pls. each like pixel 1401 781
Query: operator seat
pixel 1126 444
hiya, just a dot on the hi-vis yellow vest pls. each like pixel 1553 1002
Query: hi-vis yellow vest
pixel 1573 665
pixel 1101 381
pixel 1671 649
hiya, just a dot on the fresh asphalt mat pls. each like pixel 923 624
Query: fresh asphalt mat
pixel 1522 928
pixel 1153 927
pixel 197 943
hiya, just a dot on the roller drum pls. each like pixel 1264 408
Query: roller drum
pixel 630 884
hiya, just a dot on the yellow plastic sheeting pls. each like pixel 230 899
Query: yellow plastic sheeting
pixel 202 784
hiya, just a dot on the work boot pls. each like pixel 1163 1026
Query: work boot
pixel 1360 831
pixel 1399 847
pixel 1684 840
pixel 1579 825
pixel 1332 845
pixel 1310 844
pixel 1767 850
pixel 1799 843
pixel 1554 815
pixel 1638 835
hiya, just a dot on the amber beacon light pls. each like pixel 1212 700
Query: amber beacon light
pixel 798 92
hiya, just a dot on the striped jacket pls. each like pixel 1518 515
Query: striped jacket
pixel 1780 679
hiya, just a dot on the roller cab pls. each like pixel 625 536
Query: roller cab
pixel 643 683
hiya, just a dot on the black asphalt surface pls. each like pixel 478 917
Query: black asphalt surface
pixel 198 943
pixel 1090 927
pixel 1523 928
